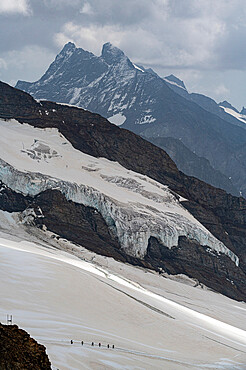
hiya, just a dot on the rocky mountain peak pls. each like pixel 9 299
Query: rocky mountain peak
pixel 243 111
pixel 226 104
pixel 68 48
pixel 173 79
pixel 111 54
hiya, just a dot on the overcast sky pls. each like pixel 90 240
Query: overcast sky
pixel 203 42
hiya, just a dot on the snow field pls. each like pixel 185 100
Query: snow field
pixel 57 297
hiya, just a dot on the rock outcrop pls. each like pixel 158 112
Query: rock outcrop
pixel 18 351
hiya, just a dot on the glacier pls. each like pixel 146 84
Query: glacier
pixel 134 206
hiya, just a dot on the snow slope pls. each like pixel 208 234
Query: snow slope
pixel 173 83
pixel 232 112
pixel 134 206
pixel 153 322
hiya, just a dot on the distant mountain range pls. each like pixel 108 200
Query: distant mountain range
pixel 223 110
pixel 138 99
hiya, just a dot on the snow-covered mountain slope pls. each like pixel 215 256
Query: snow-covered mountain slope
pixel 153 322
pixel 237 115
pixel 140 100
pixel 226 104
pixel 135 207
pixel 173 80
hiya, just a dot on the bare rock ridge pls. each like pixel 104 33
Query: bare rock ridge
pixel 139 100
pixel 222 214
pixel 18 351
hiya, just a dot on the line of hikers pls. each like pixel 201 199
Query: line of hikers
pixel 93 344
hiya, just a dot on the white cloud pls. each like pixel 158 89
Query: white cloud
pixel 28 63
pixel 61 3
pixel 153 43
pixel 86 9
pixel 15 6
pixel 167 33
pixel 3 64
pixel 91 38
pixel 221 90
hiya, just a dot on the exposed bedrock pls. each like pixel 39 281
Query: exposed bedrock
pixel 12 201
pixel 73 221
pixel 19 351
pixel 80 224
pixel 213 269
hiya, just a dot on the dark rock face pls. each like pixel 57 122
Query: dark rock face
pixel 215 271
pixel 18 351
pixel 147 104
pixel 76 222
pixel 221 213
pixel 11 201
pixel 80 224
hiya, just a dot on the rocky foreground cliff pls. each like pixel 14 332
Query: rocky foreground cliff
pixel 212 250
pixel 18 351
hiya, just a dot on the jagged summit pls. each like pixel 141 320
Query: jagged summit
pixel 69 46
pixel 243 111
pixel 109 50
pixel 66 51
pixel 173 79
pixel 70 50
pixel 226 104
pixel 111 55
